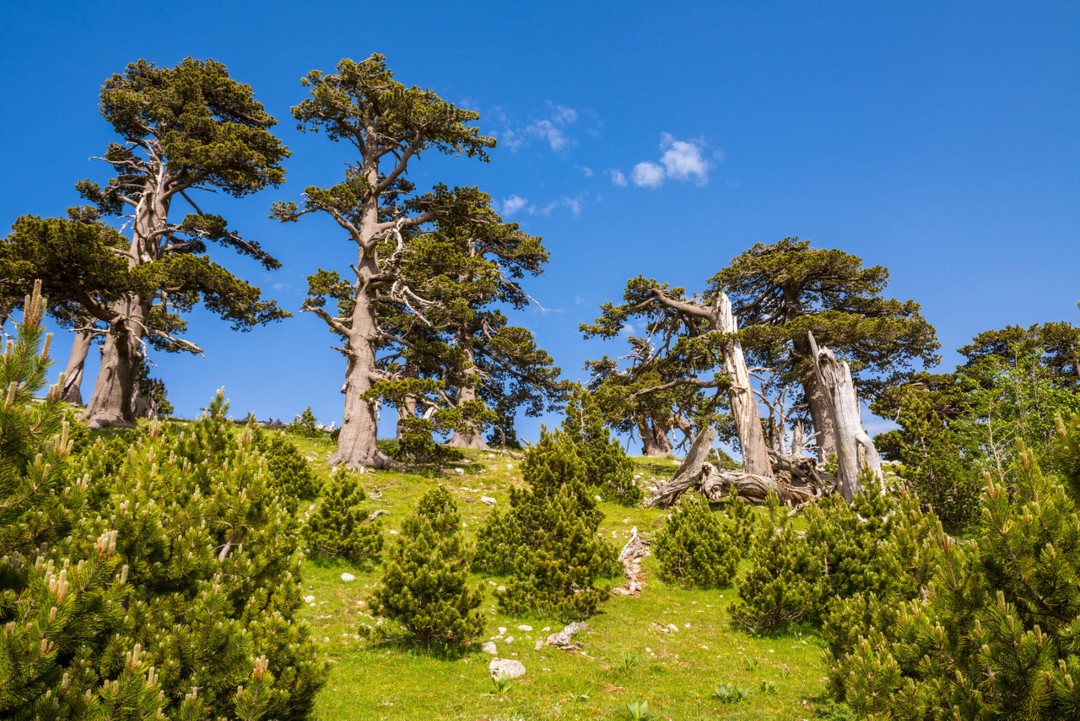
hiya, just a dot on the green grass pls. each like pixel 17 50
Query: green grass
pixel 627 657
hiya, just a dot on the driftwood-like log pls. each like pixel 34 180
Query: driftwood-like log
pixel 630 556
pixel 795 480
pixel 835 377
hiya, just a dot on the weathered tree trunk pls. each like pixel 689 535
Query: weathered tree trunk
pixel 357 447
pixel 113 399
pixel 654 441
pixel 820 413
pixel 630 556
pixel 835 378
pixel 687 476
pixel 407 409
pixel 114 391
pixel 744 409
pixel 469 436
pixel 73 374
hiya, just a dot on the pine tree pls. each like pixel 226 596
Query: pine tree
pixel 425 579
pixel 340 527
pixel 607 466
pixel 995 635
pixel 548 540
pixel 290 472
pixel 696 548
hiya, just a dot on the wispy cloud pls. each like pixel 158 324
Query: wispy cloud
pixel 517 204
pixel 680 160
pixel 513 204
pixel 551 129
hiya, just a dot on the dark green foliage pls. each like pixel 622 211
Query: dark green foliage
pixel 425 579
pixel 880 544
pixel 781 586
pixel 547 541
pixel 339 526
pixel 995 636
pixel 607 466
pixel 696 548
pixel 154 575
pixel 290 472
pixel 743 519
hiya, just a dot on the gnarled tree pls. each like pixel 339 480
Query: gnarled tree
pixel 182 129
pixel 388 126
pixel 782 291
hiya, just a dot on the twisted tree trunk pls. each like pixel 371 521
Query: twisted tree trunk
pixel 469 436
pixel 820 411
pixel 73 374
pixel 744 409
pixel 835 377
pixel 654 441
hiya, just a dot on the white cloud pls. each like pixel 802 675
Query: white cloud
pixel 513 204
pixel 550 129
pixel 585 170
pixel 647 174
pixel 682 160
pixel 618 178
pixel 574 205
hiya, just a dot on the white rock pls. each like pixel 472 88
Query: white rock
pixel 459 471
pixel 524 628
pixel 505 667
pixel 346 577
pixel 489 648
pixel 539 645
pixel 598 499
pixel 673 627
pixel 308 599
pixel 501 589
pixel 488 500
pixel 502 630
pixel 509 639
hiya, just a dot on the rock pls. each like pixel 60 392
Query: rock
pixel 509 639
pixel 564 639
pixel 346 577
pixel 488 500
pixel 506 667
pixel 501 589
pixel 539 645
pixel 502 630
pixel 459 471
pixel 489 648
pixel 524 628
pixel 376 514
pixel 308 599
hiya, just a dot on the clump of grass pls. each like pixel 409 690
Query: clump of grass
pixel 729 693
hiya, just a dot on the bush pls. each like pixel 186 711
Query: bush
pixel 607 467
pixel 304 424
pixel 995 636
pixel 340 527
pixel 290 472
pixel 695 548
pixel 548 540
pixel 154 575
pixel 424 585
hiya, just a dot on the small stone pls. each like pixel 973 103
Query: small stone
pixel 502 630
pixel 501 589
pixel 308 599
pixel 507 668
pixel 489 648
pixel 346 577
pixel 598 498
pixel 539 645
pixel 459 471
pixel 491 583
pixel 673 627
pixel 487 500
pixel 524 628
pixel 509 639
pixel 393 531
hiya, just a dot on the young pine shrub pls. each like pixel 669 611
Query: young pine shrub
pixel 548 539
pixel 290 473
pixel 425 578
pixel 340 527
pixel 782 584
pixel 995 635
pixel 695 548
pixel 607 467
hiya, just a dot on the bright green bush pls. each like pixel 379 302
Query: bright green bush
pixel 548 540
pixel 996 635
pixel 340 527
pixel 425 579
pixel 695 548
pixel 607 467
pixel 290 472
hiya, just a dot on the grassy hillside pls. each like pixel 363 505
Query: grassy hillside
pixel 669 647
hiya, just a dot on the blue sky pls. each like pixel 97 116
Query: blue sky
pixel 937 139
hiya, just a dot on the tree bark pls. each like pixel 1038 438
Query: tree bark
pixel 357 447
pixel 820 413
pixel 835 378
pixel 654 441
pixel 744 409
pixel 73 374
pixel 469 436
pixel 407 409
